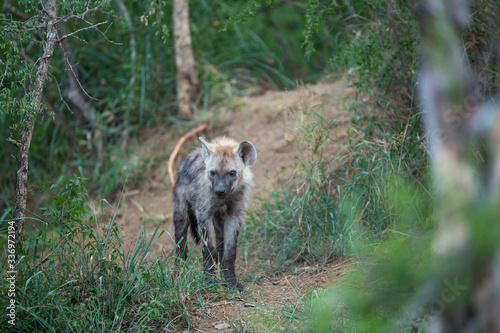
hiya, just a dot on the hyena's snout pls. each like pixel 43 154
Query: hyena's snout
pixel 220 191
pixel 221 188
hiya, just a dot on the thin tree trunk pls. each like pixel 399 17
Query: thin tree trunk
pixel 21 189
pixel 187 76
pixel 133 57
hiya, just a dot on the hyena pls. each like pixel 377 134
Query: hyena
pixel 211 193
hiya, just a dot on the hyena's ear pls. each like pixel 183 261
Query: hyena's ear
pixel 206 151
pixel 247 152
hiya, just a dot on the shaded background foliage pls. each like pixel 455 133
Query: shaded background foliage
pixel 238 61
pixel 285 43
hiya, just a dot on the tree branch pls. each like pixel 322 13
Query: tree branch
pixel 73 93
pixel 80 30
pixel 60 93
pixel 36 63
pixel 14 142
pixel 4 74
pixel 44 25
pixel 133 50
pixel 21 186
pixel 81 16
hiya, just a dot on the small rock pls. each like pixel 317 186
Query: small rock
pixel 222 326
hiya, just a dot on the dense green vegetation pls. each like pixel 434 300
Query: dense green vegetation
pixel 132 94
pixel 381 53
pixel 378 209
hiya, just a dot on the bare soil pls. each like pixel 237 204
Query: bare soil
pixel 270 121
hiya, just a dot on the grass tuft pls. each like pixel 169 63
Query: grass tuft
pixel 76 273
pixel 336 201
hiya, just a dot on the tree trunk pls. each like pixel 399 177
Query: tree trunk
pixel 21 189
pixel 186 77
pixel 133 57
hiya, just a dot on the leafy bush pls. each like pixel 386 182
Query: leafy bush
pixel 401 282
pixel 437 257
pixel 75 273
pixel 300 220
pixel 376 39
pixel 382 47
pixel 320 213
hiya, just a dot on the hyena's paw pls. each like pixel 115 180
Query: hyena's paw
pixel 211 278
pixel 239 287
pixel 233 283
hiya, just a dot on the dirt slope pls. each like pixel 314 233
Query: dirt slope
pixel 270 122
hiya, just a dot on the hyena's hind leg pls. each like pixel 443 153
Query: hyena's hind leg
pixel 181 223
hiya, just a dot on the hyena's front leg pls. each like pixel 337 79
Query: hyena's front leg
pixel 231 232
pixel 219 236
pixel 209 255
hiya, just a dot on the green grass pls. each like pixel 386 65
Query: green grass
pixel 401 280
pixel 299 222
pixel 378 214
pixel 323 211
pixel 75 273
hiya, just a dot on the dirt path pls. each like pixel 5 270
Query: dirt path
pixel 270 121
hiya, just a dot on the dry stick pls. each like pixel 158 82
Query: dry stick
pixel 177 148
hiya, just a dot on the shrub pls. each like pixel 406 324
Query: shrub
pixel 75 273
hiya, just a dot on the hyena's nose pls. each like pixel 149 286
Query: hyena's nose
pixel 220 191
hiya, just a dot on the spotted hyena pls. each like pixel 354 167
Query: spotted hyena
pixel 211 193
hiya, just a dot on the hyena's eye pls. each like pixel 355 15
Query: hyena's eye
pixel 232 173
pixel 212 173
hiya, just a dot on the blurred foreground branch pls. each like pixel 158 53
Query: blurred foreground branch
pixel 461 121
